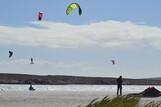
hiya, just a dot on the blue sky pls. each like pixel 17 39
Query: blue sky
pixel 127 31
pixel 21 12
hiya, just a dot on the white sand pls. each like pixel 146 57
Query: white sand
pixel 52 99
pixel 144 101
pixel 47 99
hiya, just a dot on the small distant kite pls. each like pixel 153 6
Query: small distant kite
pixel 10 54
pixel 40 16
pixel 113 62
pixel 72 7
pixel 32 62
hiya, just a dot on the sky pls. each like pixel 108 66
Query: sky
pixel 128 32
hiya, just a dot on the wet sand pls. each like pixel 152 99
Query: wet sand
pixel 54 99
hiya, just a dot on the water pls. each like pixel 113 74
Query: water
pixel 76 88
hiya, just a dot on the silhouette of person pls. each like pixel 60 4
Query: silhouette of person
pixel 32 62
pixel 31 88
pixel 119 85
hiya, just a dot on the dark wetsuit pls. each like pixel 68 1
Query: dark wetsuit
pixel 119 86
pixel 31 88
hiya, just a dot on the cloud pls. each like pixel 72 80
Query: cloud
pixel 101 34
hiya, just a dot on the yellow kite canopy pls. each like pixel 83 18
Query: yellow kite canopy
pixel 72 7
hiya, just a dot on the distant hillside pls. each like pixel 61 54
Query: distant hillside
pixel 157 78
pixel 62 80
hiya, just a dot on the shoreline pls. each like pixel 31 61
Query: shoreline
pixel 55 99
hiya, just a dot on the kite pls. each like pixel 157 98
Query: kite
pixel 113 62
pixel 40 16
pixel 31 61
pixel 10 54
pixel 72 7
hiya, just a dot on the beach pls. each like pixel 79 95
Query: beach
pixel 47 99
pixel 54 98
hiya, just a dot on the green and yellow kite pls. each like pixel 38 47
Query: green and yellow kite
pixel 72 7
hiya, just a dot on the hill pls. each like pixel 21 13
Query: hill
pixel 63 80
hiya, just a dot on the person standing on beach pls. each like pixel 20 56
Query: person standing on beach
pixel 119 85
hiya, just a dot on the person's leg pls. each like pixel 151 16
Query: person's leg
pixel 117 90
pixel 120 90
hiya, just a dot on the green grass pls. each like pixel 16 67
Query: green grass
pixel 115 102
pixel 123 101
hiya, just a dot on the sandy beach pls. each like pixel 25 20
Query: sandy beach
pixel 53 99
pixel 47 99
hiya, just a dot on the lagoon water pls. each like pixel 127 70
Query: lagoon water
pixel 75 88
pixel 62 95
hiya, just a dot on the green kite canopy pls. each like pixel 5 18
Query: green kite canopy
pixel 72 7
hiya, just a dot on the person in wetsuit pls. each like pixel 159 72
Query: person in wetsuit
pixel 31 88
pixel 119 86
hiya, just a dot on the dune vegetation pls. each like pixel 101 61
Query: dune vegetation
pixel 123 101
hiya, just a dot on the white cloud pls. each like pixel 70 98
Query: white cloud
pixel 100 34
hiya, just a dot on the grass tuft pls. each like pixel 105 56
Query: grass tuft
pixel 115 102
pixel 124 101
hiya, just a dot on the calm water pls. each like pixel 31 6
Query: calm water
pixel 81 88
